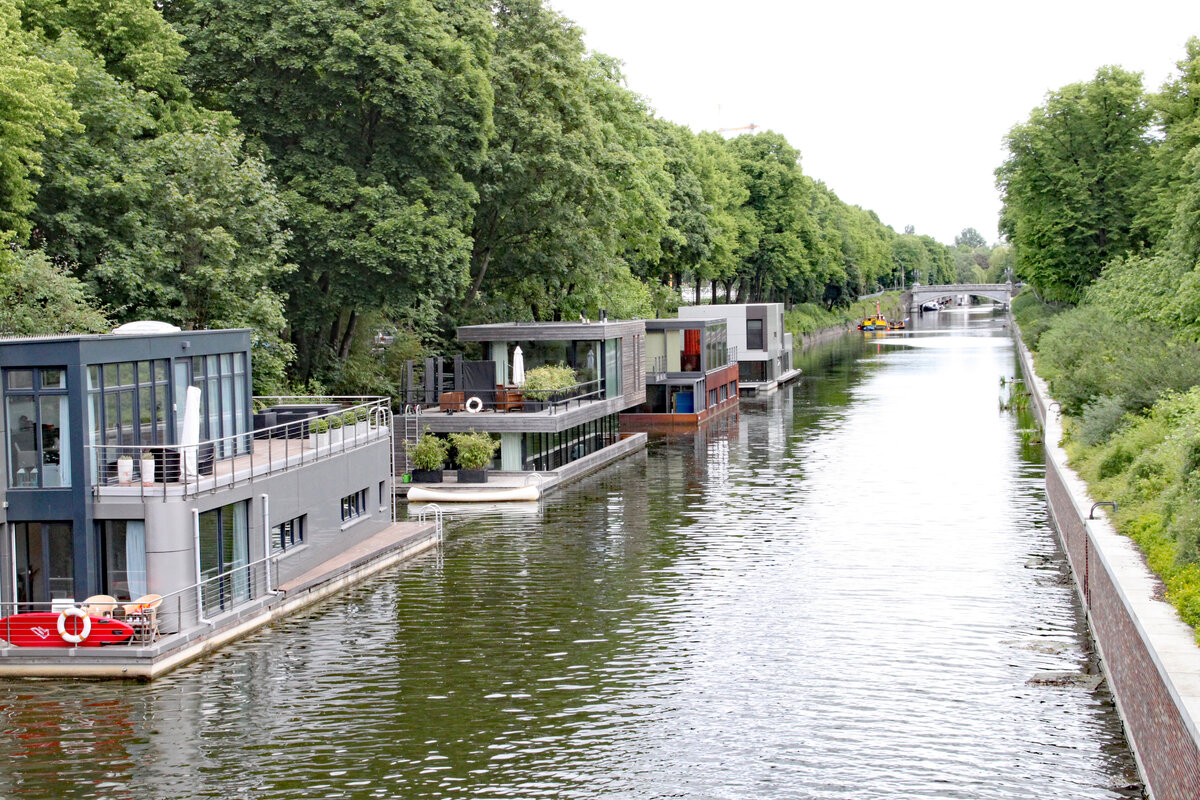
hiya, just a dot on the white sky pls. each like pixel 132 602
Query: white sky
pixel 900 107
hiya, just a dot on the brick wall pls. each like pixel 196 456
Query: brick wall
pixel 1166 747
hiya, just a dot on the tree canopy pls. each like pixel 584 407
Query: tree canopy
pixel 400 165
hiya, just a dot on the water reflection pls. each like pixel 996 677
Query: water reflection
pixel 843 591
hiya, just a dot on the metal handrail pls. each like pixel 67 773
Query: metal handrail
pixel 187 470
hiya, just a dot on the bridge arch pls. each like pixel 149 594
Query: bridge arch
pixel 1000 292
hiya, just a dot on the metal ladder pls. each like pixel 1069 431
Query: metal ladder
pixel 412 432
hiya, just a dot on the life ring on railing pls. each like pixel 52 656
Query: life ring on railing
pixel 74 638
pixel 474 405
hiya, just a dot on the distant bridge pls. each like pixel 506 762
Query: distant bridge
pixel 918 294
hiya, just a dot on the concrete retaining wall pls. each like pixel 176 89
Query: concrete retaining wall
pixel 1148 654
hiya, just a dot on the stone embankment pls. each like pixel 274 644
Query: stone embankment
pixel 1149 656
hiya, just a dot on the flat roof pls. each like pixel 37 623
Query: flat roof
pixel 684 324
pixel 549 331
pixel 45 338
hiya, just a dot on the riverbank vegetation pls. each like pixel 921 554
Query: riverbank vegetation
pixel 1102 207
pixel 400 167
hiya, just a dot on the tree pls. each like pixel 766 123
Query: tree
pixel 37 297
pixel 1070 182
pixel 32 104
pixel 177 225
pixel 778 200
pixel 970 238
pixel 371 113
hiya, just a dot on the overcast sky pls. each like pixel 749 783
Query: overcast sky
pixel 900 107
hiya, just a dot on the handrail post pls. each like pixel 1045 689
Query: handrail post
pixel 199 580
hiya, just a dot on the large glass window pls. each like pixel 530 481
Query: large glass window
pixel 754 334
pixel 223 381
pixel 36 416
pixel 612 368
pixel 44 560
pixel 546 451
pixel 224 552
pixel 123 550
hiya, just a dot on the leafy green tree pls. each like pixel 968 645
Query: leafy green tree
pixel 178 225
pixel 734 228
pixel 1071 179
pixel 575 186
pixel 371 114
pixel 970 238
pixel 37 297
pixel 778 199
pixel 1177 110
pixel 32 104
pixel 131 37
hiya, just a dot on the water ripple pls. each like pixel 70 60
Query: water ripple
pixel 844 593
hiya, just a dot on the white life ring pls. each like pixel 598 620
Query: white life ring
pixel 474 405
pixel 74 638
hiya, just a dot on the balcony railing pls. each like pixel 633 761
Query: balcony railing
pixel 304 430
pixel 510 399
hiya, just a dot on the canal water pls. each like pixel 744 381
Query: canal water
pixel 849 590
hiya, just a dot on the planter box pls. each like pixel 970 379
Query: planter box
pixel 473 475
pixel 426 476
pixel 452 401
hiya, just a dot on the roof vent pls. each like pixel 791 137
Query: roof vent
pixel 144 326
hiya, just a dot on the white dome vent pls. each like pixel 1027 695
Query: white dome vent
pixel 145 326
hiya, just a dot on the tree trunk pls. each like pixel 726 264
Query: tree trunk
pixel 348 335
pixel 484 260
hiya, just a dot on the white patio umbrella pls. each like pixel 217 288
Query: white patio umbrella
pixel 518 370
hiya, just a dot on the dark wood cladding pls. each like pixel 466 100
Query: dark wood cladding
pixel 633 367
pixel 550 331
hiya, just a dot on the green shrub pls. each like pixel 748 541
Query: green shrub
pixel 1101 419
pixel 319 425
pixel 473 450
pixel 544 381
pixel 1114 462
pixel 429 453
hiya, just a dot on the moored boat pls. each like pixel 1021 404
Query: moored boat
pixel 69 628
pixel 450 494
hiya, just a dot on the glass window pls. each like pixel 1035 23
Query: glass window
pixel 35 419
pixel 56 459
pixel 354 505
pixel 123 549
pixel 287 535
pixel 20 379
pixel 224 551
pixel 45 561
pixel 754 334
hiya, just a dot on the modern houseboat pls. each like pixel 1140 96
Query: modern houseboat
pixel 756 332
pixel 137 464
pixel 559 433
pixel 691 373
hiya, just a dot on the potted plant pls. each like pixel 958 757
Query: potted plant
pixel 357 417
pixel 473 453
pixel 544 382
pixel 147 469
pixel 336 434
pixel 427 455
pixel 318 429
pixel 125 470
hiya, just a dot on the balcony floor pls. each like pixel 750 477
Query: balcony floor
pixel 266 457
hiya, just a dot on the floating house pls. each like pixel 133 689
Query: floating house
pixel 567 430
pixel 691 373
pixel 763 345
pixel 137 464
